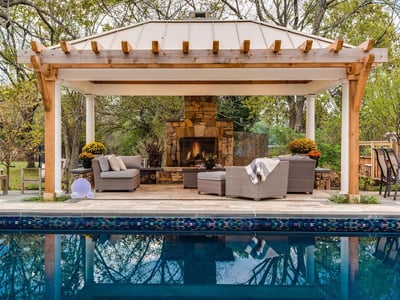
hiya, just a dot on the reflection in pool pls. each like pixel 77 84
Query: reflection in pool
pixel 173 266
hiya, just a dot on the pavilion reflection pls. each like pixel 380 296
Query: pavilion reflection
pixel 287 267
pixel 176 264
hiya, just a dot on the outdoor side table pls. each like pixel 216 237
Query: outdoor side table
pixel 83 173
pixel 322 179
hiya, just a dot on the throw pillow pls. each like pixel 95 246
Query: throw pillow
pixel 121 163
pixel 103 162
pixel 114 163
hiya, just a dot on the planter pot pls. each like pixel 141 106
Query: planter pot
pixel 87 164
pixel 316 158
pixel 155 159
pixel 209 165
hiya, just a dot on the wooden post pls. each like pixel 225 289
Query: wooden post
pixel 49 143
pixel 354 149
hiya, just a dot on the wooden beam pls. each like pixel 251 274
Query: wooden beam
pixel 362 80
pixel 215 46
pixel 291 58
pixel 37 47
pixel 96 47
pixel 155 47
pixel 44 74
pixel 66 47
pixel 306 46
pixel 336 46
pixel 246 46
pixel 276 46
pixel 368 45
pixel 126 47
pixel 185 47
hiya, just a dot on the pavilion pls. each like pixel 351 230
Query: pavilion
pixel 203 57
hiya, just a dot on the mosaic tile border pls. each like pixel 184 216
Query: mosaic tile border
pixel 28 223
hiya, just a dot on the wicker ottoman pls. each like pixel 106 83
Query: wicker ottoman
pixel 211 182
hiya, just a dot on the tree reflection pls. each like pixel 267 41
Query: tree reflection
pixel 133 259
pixel 286 269
pixel 21 266
pixel 72 257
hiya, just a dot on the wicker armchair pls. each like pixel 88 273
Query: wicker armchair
pixel 238 183
pixel 301 173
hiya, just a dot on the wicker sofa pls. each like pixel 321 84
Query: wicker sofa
pixel 109 177
pixel 301 173
pixel 238 183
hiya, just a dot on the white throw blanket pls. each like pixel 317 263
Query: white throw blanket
pixel 261 167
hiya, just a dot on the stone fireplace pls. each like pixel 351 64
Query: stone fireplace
pixel 199 134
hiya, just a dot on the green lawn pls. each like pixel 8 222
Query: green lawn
pixel 15 176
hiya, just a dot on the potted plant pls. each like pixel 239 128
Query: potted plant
pixel 94 148
pixel 210 161
pixel 314 154
pixel 302 146
pixel 86 158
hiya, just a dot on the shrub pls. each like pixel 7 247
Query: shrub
pixel 95 148
pixel 344 198
pixel 302 146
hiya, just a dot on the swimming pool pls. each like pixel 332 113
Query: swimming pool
pixel 107 265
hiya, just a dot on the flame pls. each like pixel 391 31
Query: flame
pixel 195 149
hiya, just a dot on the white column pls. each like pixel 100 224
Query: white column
pixel 90 136
pixel 57 140
pixel 310 264
pixel 344 169
pixel 310 118
pixel 89 260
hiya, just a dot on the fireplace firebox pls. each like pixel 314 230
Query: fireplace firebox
pixel 195 149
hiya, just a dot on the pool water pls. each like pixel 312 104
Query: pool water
pixel 184 266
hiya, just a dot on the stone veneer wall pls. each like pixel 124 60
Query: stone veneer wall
pixel 200 121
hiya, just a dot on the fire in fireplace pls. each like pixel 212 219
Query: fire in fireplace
pixel 195 149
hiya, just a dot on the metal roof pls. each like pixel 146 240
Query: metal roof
pixel 200 34
pixel 202 57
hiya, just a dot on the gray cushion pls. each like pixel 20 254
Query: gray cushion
pixel 120 174
pixel 103 162
pixel 132 161
pixel 217 175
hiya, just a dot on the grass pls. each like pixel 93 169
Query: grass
pixel 40 199
pixel 15 176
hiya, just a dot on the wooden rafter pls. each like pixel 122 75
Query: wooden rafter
pixel 368 45
pixel 246 46
pixel 126 47
pixel 276 46
pixel 155 47
pixel 337 45
pixel 306 46
pixel 37 47
pixel 66 47
pixel 215 47
pixel 96 47
pixel 185 47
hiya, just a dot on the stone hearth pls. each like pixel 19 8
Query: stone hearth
pixel 199 122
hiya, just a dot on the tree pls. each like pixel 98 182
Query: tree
pixel 19 134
